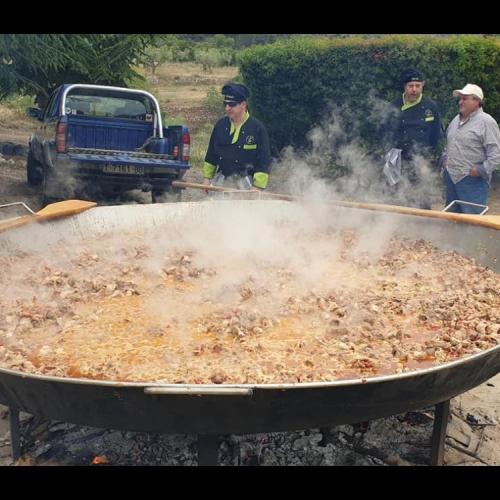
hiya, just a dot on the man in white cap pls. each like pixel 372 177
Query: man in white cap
pixel 472 152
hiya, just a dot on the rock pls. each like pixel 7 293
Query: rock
pixel 459 437
pixel 345 429
pixel 300 443
pixel 268 457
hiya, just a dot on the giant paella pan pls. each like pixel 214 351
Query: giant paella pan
pixel 242 316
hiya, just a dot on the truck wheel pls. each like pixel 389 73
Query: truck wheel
pixel 34 171
pixel 157 195
pixel 47 199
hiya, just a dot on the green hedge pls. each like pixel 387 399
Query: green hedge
pixel 293 82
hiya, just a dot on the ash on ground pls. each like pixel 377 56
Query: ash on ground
pixel 405 439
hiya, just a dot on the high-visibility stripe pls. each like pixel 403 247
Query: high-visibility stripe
pixel 407 105
pixel 236 131
pixel 209 170
pixel 260 180
pixel 429 118
pixel 249 146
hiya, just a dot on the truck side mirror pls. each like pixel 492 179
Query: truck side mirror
pixel 34 113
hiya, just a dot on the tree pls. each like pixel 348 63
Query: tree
pixel 221 42
pixel 37 64
pixel 155 56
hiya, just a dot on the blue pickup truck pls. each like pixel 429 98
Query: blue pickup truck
pixel 98 140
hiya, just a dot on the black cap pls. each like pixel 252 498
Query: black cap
pixel 411 75
pixel 235 92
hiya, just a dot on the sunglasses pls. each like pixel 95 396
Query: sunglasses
pixel 231 104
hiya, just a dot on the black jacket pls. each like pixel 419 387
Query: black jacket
pixel 417 128
pixel 249 154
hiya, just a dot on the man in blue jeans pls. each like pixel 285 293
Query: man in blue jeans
pixel 472 152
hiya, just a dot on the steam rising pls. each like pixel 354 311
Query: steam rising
pixel 338 166
pixel 241 246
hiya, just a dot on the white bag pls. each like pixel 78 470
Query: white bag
pixel 392 167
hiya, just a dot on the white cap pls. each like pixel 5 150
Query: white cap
pixel 470 89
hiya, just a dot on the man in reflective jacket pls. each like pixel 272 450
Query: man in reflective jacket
pixel 238 153
pixel 415 130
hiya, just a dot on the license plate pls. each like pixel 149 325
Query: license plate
pixel 123 169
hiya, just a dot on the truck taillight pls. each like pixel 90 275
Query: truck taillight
pixel 186 142
pixel 61 138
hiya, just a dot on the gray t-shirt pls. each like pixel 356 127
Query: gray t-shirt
pixel 475 141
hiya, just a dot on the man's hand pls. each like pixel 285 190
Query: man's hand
pixel 206 182
pixel 473 171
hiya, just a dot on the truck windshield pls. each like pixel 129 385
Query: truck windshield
pixel 130 108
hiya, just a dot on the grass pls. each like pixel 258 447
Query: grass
pixel 18 104
pixel 185 84
pixel 188 96
pixel 199 145
pixel 13 113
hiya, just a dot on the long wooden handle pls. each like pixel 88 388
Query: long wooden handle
pixel 482 220
pixel 52 211
pixel 206 187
